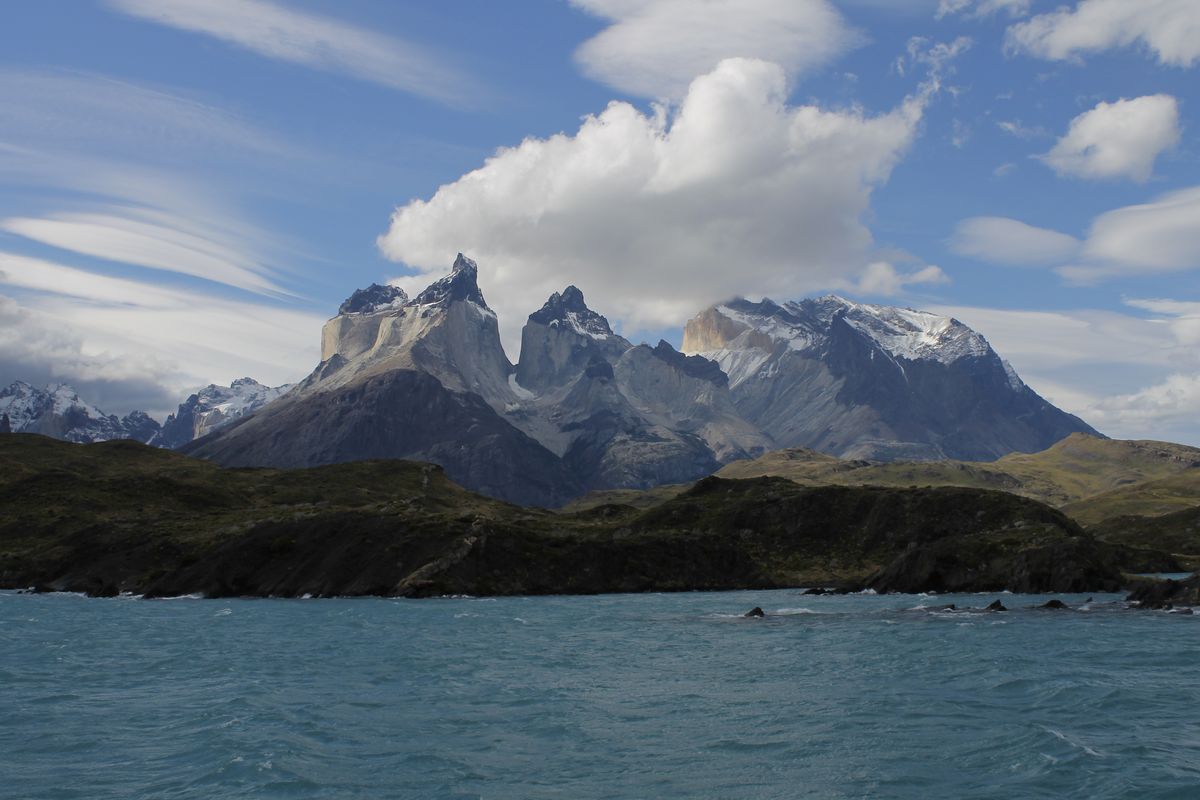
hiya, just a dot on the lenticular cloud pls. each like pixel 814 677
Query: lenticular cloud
pixel 655 215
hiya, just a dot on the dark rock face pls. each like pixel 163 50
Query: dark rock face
pixel 5 424
pixel 693 366
pixel 399 414
pixel 373 298
pixel 462 284
pixel 1167 594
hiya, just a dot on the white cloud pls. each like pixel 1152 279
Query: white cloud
pixel 1166 410
pixel 1159 236
pixel 999 240
pixel 982 8
pixel 1168 28
pixel 655 216
pixel 654 48
pixel 312 40
pixel 882 278
pixel 1118 140
pixel 148 239
pixel 89 329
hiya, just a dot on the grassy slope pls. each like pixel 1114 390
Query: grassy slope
pixel 119 515
pixel 1126 476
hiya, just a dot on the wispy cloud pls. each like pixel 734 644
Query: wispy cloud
pixel 314 41
pixel 656 47
pixel 156 240
pixel 1160 236
pixel 138 340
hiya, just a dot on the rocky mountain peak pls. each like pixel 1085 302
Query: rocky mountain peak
pixel 692 366
pixel 373 299
pixel 461 284
pixel 568 310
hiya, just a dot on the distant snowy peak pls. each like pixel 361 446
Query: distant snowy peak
pixel 900 332
pixel 214 407
pixel 58 411
pixel 373 299
pixel 568 310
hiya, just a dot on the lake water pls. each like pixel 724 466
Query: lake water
pixel 640 696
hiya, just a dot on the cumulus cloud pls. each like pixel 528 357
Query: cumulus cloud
pixel 654 48
pixel 1118 140
pixel 656 215
pixel 999 240
pixel 1170 29
pixel 129 342
pixel 313 40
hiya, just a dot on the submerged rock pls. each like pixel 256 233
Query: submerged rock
pixel 755 613
pixel 1054 604
pixel 995 605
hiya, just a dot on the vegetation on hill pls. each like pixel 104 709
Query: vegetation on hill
pixel 119 516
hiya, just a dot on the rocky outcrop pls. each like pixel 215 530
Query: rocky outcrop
pixel 875 382
pixel 1167 594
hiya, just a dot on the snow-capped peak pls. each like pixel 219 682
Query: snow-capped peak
pixel 568 310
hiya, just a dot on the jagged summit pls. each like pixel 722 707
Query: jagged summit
pixel 461 284
pixel 373 299
pixel 59 412
pixel 569 310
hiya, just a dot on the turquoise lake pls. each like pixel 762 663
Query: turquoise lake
pixel 631 696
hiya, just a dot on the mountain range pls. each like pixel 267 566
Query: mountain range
pixel 426 378
pixel 60 413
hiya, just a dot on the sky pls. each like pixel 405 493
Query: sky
pixel 189 188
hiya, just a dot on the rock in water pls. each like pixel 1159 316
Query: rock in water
pixel 1055 605
pixel 995 605
pixel 755 612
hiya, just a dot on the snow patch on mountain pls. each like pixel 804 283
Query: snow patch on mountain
pixel 58 411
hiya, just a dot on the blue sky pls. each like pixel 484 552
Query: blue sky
pixel 192 186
